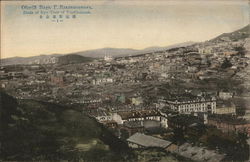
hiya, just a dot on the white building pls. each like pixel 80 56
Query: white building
pixel 225 95
pixel 187 106
pixel 225 107
pixel 108 58
pixel 121 117
pixel 100 81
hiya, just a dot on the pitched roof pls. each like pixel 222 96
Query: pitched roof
pixel 138 114
pixel 148 141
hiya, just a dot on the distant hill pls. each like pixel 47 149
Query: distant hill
pixel 38 131
pixel 115 52
pixel 73 59
pixel 236 35
pixel 41 59
pixel 120 52
pixel 157 48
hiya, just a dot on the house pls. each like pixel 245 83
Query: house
pixel 108 58
pixel 139 140
pixel 139 115
pixel 136 100
pixel 225 107
pixel 133 127
pixel 100 81
pixel 110 123
pixel 16 74
pixel 225 95
pixel 205 50
pixel 57 80
pixel 101 115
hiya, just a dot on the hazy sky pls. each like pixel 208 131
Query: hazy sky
pixel 118 24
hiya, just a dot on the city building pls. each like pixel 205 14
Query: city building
pixel 225 95
pixel 139 115
pixel 108 58
pixel 187 104
pixel 133 127
pixel 225 107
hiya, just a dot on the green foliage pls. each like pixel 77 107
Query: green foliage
pixel 32 130
pixel 226 64
pixel 233 145
pixel 73 59
pixel 241 50
pixel 155 154
pixel 228 143
pixel 178 135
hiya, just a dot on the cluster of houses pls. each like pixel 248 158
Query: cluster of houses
pixel 61 82
pixel 209 110
pixel 114 90
pixel 195 62
pixel 130 119
pixel 226 123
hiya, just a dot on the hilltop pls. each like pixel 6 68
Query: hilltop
pixel 121 52
pixel 236 35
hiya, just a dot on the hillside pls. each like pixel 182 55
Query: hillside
pixel 73 59
pixel 33 130
pixel 236 35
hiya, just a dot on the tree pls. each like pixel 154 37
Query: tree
pixel 226 64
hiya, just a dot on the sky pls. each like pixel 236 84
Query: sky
pixel 116 24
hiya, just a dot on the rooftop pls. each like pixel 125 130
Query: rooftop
pixel 148 141
pixel 188 97
pixel 138 114
pixel 133 124
pixel 222 103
